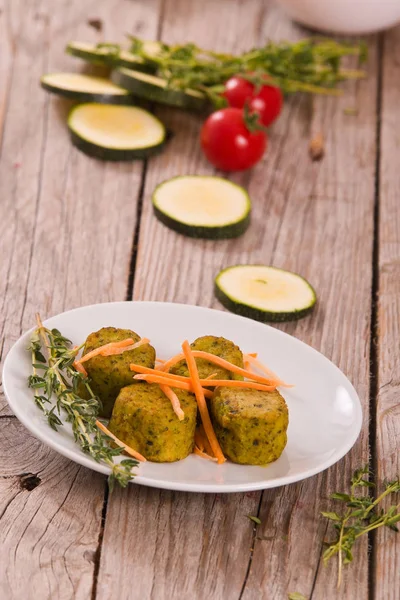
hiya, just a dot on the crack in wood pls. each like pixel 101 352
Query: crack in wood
pixel 253 541
pixel 374 333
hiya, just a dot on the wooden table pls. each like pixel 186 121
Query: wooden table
pixel 74 231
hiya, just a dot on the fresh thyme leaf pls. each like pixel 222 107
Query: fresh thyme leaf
pixel 361 514
pixel 296 596
pixel 312 66
pixel 254 519
pixel 59 383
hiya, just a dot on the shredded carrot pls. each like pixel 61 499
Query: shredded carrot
pixel 161 380
pixel 253 354
pixel 171 362
pixel 112 351
pixel 127 449
pixel 237 384
pixel 176 405
pixel 253 360
pixel 101 349
pixel 147 371
pixel 80 368
pixel 201 402
pixel 221 362
pixel 199 452
pixel 202 438
pixel 199 439
pixel 212 376
pixel 160 360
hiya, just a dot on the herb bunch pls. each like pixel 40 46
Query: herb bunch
pixel 308 65
pixel 361 514
pixel 54 377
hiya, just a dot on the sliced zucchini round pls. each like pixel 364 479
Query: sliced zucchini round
pixel 105 55
pixel 202 207
pixel 115 133
pixel 85 88
pixel 264 293
pixel 155 88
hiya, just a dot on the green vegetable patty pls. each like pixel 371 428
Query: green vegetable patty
pixel 108 374
pixel 250 425
pixel 143 418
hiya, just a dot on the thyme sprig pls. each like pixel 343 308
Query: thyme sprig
pixel 361 514
pixel 54 377
pixel 309 65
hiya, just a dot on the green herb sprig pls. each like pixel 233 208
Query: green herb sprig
pixel 53 376
pixel 309 65
pixel 361 514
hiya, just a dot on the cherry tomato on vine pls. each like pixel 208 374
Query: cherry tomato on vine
pixel 228 143
pixel 266 101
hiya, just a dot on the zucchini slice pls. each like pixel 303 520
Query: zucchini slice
pixel 112 132
pixel 85 88
pixel 202 207
pixel 264 293
pixel 155 88
pixel 105 55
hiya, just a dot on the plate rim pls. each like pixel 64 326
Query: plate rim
pixel 86 461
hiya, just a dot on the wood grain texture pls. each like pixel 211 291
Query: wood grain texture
pixel 387 573
pixel 49 534
pixel 316 219
pixel 69 220
pixel 66 234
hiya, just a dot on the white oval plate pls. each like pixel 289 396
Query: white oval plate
pixel 324 409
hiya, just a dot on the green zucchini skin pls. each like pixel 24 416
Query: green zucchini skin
pixel 168 96
pixel 110 60
pixel 251 312
pixel 113 154
pixel 226 232
pixel 120 99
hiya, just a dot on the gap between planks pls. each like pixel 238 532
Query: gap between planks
pixel 373 354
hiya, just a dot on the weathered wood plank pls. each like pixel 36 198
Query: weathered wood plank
pixel 6 61
pixel 313 218
pixel 183 545
pixel 48 534
pixel 387 555
pixel 65 240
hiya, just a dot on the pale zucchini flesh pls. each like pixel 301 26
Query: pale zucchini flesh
pixel 202 206
pixel 156 89
pixel 264 293
pixel 85 88
pixel 115 133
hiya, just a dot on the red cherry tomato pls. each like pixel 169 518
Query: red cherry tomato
pixel 228 144
pixel 267 101
pixel 237 91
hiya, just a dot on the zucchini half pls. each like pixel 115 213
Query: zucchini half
pixel 202 207
pixel 115 133
pixel 156 89
pixel 105 55
pixel 85 88
pixel 264 293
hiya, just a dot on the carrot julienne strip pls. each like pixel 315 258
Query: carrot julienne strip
pixel 199 452
pixel 147 371
pixel 254 385
pixel 173 398
pixel 127 449
pixel 180 385
pixel 259 365
pixel 221 362
pixel 112 351
pixel 101 349
pixel 201 402
pixel 80 368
